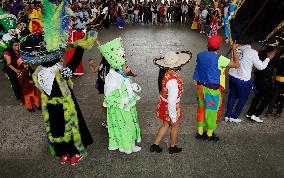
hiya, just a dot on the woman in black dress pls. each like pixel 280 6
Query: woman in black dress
pixel 11 68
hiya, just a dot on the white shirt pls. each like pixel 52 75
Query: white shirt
pixel 172 87
pixel 184 9
pixel 248 58
pixel 204 13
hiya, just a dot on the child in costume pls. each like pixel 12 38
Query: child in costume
pixel 210 78
pixel 120 100
pixel 214 26
pixel 31 94
pixel 171 88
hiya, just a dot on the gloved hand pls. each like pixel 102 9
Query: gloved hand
pixel 135 87
pixel 66 73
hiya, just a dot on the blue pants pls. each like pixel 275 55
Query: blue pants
pixel 238 96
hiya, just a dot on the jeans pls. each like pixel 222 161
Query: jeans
pixel 238 96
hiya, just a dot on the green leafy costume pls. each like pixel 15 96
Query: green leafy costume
pixel 120 100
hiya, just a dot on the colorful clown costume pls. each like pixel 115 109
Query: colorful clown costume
pixel 210 77
pixel 120 100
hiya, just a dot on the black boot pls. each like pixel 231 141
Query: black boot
pixel 31 110
pixel 155 148
pixel 174 149
pixel 213 138
pixel 201 137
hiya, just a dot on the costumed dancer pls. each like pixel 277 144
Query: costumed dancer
pixel 214 26
pixel 120 100
pixel 226 19
pixel 35 16
pixel 210 78
pixel 120 22
pixel 7 26
pixel 67 132
pixel 171 88
pixel 73 36
pixel 194 25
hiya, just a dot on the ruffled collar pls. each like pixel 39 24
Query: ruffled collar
pixel 46 77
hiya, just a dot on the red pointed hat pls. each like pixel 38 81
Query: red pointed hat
pixel 215 42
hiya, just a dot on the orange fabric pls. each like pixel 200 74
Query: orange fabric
pixel 221 106
pixel 200 109
pixel 162 112
pixel 32 98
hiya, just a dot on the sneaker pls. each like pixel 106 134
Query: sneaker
pixel 64 159
pixel 75 159
pixel 256 119
pixel 235 120
pixel 175 149
pixel 213 138
pixel 227 119
pixel 201 137
pixel 155 148
pixel 136 149
pixel 248 116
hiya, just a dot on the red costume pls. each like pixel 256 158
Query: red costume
pixel 163 112
pixel 72 37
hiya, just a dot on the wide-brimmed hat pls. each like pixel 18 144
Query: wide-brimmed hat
pixel 33 50
pixel 173 60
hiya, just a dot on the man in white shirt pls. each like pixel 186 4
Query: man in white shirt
pixel 240 82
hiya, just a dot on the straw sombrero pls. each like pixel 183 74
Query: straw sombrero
pixel 173 60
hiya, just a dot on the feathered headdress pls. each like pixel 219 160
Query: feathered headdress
pixel 49 46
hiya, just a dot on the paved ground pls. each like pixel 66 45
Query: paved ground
pixel 245 150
